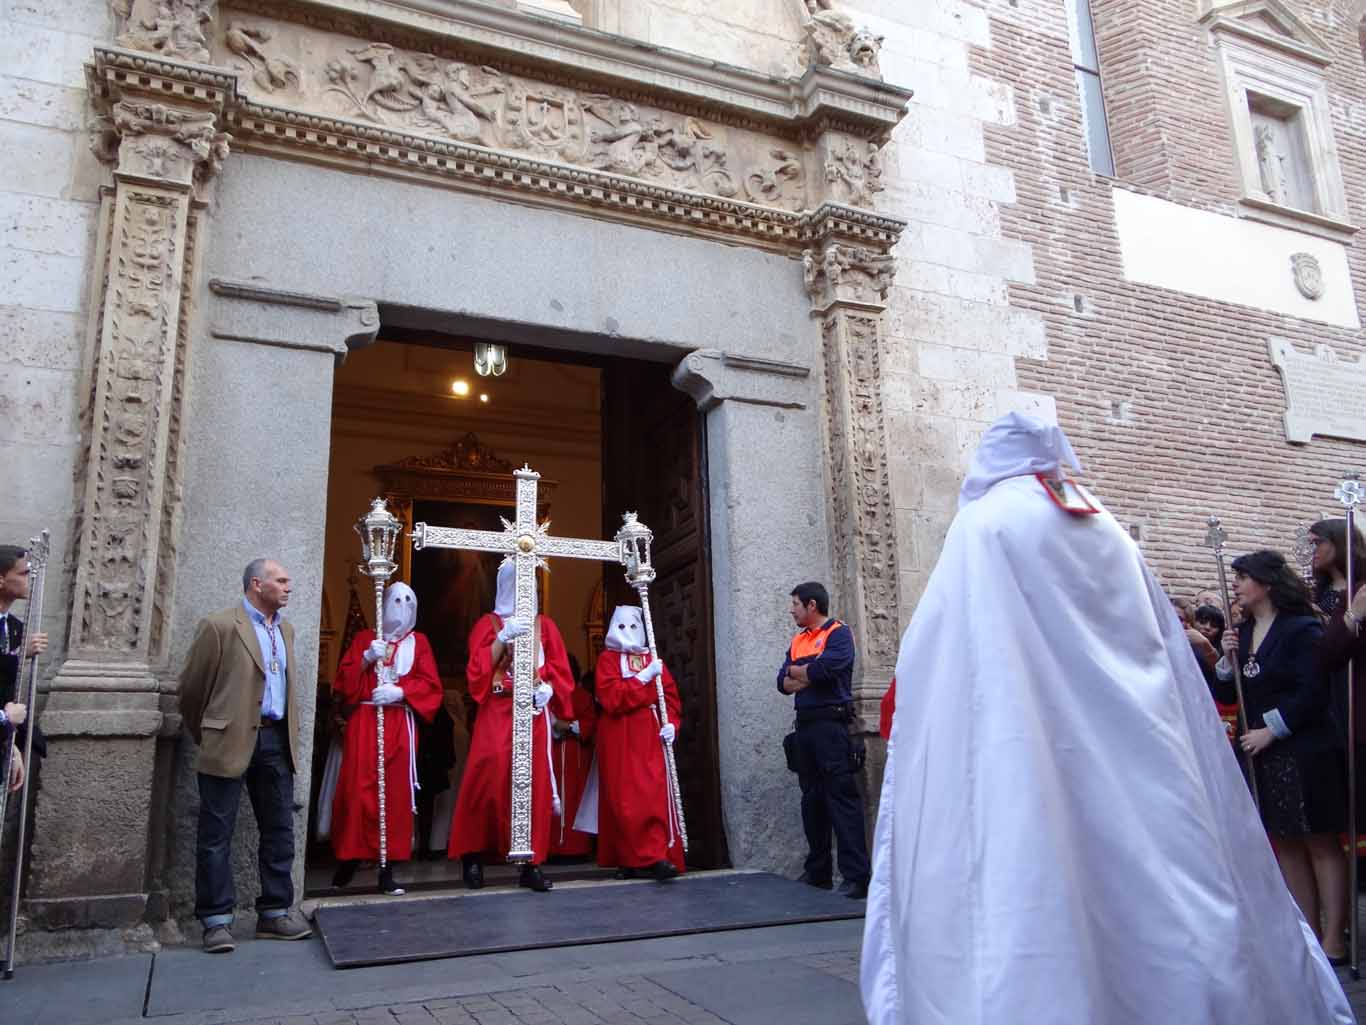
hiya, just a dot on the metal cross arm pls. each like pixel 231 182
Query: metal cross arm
pixel 528 543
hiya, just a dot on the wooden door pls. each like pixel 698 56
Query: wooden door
pixel 654 463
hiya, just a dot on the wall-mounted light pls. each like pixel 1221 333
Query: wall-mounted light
pixel 490 360
pixel 460 387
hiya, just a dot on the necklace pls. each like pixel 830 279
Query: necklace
pixel 274 653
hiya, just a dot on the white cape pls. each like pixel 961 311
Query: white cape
pixel 1064 837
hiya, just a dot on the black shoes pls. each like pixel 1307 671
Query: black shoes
pixel 473 873
pixel 346 871
pixel 664 870
pixel 626 873
pixel 533 879
pixel 820 884
pixel 387 886
pixel 854 891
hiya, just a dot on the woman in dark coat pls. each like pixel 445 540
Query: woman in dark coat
pixel 1343 641
pixel 1297 760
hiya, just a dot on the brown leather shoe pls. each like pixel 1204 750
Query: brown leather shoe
pixel 217 940
pixel 289 926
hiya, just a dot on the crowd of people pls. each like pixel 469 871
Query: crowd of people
pixel 1293 634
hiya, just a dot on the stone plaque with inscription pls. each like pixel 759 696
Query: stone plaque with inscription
pixel 1324 394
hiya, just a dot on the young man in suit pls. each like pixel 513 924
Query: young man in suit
pixel 240 700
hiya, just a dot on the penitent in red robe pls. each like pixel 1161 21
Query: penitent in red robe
pixel 886 710
pixel 355 809
pixel 573 756
pixel 483 809
pixel 634 808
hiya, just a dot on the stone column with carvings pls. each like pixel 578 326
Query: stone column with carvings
pixel 105 707
pixel 847 276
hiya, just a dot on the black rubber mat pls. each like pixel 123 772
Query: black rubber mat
pixel 391 932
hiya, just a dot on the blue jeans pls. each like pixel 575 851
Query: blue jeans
pixel 270 786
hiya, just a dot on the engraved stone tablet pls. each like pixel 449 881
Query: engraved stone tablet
pixel 1324 395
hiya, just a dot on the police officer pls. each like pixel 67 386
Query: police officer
pixel 818 671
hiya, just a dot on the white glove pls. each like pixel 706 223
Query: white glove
pixel 667 733
pixel 387 694
pixel 541 696
pixel 648 674
pixel 513 627
pixel 375 652
pixel 574 728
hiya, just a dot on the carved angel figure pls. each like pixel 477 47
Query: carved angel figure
pixel 269 73
pixel 172 28
pixel 453 99
pixel 620 146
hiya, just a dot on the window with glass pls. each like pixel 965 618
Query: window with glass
pixel 1086 67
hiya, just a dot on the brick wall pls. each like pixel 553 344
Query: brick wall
pixel 1170 399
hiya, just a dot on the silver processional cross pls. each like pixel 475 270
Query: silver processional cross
pixel 528 543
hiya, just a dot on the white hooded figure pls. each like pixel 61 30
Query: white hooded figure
pixel 1064 834
pixel 395 652
pixel 626 632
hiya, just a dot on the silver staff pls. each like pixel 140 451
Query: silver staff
pixel 1215 538
pixel 38 550
pixel 635 539
pixel 1349 493
pixel 379 530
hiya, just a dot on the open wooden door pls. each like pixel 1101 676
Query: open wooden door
pixel 654 463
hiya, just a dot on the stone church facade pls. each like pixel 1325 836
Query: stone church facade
pixel 858 232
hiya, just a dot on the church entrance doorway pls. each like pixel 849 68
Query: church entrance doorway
pixel 412 421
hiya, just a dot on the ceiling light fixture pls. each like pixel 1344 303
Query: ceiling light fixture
pixel 461 387
pixel 490 360
pixel 483 396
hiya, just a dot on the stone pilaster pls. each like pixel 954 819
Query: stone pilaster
pixel 847 282
pixel 105 708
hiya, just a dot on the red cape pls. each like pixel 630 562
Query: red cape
pixel 483 808
pixel 355 809
pixel 633 791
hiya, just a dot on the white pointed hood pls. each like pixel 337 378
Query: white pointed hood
pixel 400 611
pixel 1014 446
pixel 505 601
pixel 626 632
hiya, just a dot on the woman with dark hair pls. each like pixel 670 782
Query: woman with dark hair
pixel 1341 643
pixel 1297 761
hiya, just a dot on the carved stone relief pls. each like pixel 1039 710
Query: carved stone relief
pixel 845 272
pixel 1308 275
pixel 171 28
pixel 380 84
pixel 864 551
pixel 834 40
pixel 853 172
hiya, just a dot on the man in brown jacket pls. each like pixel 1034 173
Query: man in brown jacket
pixel 239 697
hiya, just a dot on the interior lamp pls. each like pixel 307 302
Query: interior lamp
pixel 490 360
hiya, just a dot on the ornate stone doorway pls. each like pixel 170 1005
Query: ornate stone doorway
pixel 608 435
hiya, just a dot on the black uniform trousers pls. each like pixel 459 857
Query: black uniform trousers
pixel 830 800
pixel 270 786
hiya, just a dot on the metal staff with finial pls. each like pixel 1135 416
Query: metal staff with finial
pixel 38 550
pixel 1215 538
pixel 379 530
pixel 1349 492
pixel 635 539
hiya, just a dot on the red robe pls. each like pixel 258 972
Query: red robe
pixel 355 809
pixel 573 756
pixel 483 809
pixel 886 711
pixel 633 791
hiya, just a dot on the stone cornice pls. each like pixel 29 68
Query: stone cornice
pixel 630 69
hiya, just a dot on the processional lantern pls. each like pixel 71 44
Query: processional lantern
pixel 636 539
pixel 379 531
